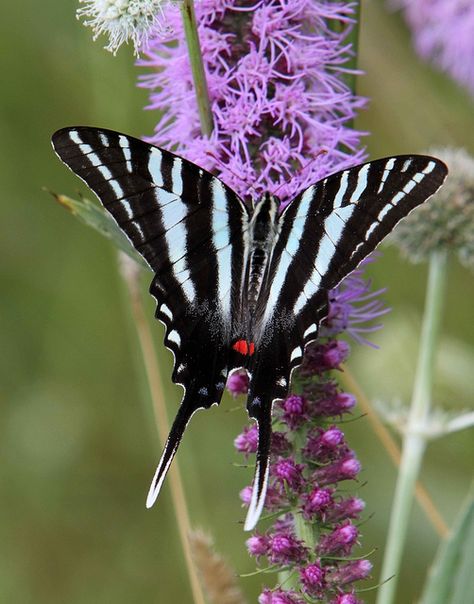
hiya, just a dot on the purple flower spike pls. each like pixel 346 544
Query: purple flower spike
pixel 324 445
pixel 279 596
pixel 246 495
pixel 247 441
pixel 313 579
pixel 286 549
pixel 331 438
pixel 340 541
pixel 346 508
pixel 280 443
pixel 351 572
pixel 257 545
pixel 287 472
pixel 294 411
pixel 344 469
pixel 354 308
pixel 238 383
pixel 317 502
pixel 346 599
pixel 278 97
pixel 332 405
pixel 323 357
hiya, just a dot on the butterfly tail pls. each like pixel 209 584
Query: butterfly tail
pixel 264 420
pixel 177 429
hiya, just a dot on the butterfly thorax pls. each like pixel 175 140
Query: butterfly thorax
pixel 262 233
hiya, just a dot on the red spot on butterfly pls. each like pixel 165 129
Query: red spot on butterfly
pixel 244 347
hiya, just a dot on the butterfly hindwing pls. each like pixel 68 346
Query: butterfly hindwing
pixel 190 229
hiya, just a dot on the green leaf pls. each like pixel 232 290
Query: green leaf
pixel 451 579
pixel 96 217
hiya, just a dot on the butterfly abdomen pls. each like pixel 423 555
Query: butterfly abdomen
pixel 262 234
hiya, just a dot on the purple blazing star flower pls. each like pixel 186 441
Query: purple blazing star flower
pixel 247 441
pixel 238 383
pixel 288 473
pixel 278 596
pixel 442 32
pixel 346 599
pixel 285 549
pixel 317 502
pixel 312 578
pixel 282 121
pixel 279 103
pixel 351 572
pixel 340 540
pixel 257 545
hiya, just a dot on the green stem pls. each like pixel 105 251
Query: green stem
pixel 306 531
pixel 414 441
pixel 197 66
pixel 130 273
pixel 353 39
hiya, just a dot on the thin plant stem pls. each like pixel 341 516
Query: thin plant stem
pixel 197 66
pixel 352 39
pixel 130 275
pixel 414 441
pixel 393 450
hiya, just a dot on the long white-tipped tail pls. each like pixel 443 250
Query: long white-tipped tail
pixel 258 497
pixel 262 469
pixel 179 426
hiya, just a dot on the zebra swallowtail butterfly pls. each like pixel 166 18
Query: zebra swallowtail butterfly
pixel 239 287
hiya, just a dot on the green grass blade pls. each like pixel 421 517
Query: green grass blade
pixel 96 217
pixel 451 580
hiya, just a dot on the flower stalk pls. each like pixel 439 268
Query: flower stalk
pixel 197 66
pixel 129 271
pixel 415 438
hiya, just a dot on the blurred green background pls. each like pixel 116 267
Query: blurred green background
pixel 78 443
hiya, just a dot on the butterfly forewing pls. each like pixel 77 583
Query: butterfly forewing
pixel 194 233
pixel 191 230
pixel 332 226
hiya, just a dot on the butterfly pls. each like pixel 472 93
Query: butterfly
pixel 239 287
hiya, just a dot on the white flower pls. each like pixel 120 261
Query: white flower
pixel 122 20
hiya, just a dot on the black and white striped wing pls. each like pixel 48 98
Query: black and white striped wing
pixel 332 226
pixel 325 232
pixel 190 228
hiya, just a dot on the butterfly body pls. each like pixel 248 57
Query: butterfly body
pixel 234 287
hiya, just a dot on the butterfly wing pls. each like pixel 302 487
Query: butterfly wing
pixel 190 228
pixel 325 232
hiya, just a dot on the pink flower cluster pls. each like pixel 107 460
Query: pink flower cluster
pixel 304 487
pixel 282 111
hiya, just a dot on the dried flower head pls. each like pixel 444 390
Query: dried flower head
pixel 218 579
pixel 447 221
pixel 122 20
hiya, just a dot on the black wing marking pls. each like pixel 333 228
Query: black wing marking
pixel 325 232
pixel 190 228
